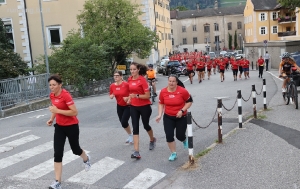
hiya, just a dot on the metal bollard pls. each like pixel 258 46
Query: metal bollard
pixel 254 102
pixel 190 137
pixel 265 94
pixel 220 120
pixel 252 65
pixel 240 108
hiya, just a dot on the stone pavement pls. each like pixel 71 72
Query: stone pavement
pixel 263 154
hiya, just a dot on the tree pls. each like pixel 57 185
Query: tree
pixel 180 8
pixel 115 24
pixel 235 40
pixel 292 4
pixel 11 63
pixel 229 41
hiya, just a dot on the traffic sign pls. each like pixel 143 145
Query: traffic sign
pixel 265 41
pixel 121 67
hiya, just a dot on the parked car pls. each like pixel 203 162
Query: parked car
pixel 223 53
pixel 161 65
pixel 212 55
pixel 169 65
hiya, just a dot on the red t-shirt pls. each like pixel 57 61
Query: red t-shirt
pixel 190 65
pixel 62 102
pixel 234 64
pixel 260 62
pixel 209 64
pixel 200 64
pixel 222 64
pixel 174 101
pixel 245 63
pixel 138 86
pixel 120 91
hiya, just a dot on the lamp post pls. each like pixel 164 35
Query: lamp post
pixel 240 36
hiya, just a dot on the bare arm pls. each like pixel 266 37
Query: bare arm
pixel 161 108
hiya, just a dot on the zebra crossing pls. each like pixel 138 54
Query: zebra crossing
pixel 145 179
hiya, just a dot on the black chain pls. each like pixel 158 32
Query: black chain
pixel 248 98
pixel 232 106
pixel 208 124
pixel 260 90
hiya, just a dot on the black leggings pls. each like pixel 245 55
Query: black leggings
pixel 235 72
pixel 60 134
pixel 171 123
pixel 124 115
pixel 140 111
pixel 261 69
pixel 241 69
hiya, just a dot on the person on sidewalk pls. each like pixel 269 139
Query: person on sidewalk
pixel 267 58
pixel 64 111
pixel 120 90
pixel 174 101
pixel 139 98
pixel 260 63
pixel 285 68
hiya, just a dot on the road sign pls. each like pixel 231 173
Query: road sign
pixel 121 67
pixel 265 41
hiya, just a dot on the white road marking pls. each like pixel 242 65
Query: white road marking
pixel 46 167
pixel 23 114
pixel 145 179
pixel 10 145
pixel 11 160
pixel 14 135
pixel 38 116
pixel 97 171
pixel 275 76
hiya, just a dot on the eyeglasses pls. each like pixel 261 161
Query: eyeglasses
pixel 116 75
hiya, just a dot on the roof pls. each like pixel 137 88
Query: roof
pixel 264 4
pixel 221 11
pixel 173 14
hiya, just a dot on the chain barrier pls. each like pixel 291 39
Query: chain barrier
pixel 260 91
pixel 208 124
pixel 232 106
pixel 248 98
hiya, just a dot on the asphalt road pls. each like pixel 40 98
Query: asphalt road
pixel 26 142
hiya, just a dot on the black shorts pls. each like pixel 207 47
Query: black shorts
pixel 241 69
pixel 151 79
pixel 200 69
pixel 221 71
pixel 190 71
pixel 208 69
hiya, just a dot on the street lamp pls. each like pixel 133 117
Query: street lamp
pixel 240 36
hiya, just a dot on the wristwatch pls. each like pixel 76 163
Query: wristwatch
pixel 182 110
pixel 137 96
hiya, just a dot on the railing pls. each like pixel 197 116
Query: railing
pixel 288 33
pixel 287 19
pixel 22 90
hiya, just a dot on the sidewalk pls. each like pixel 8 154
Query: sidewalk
pixel 263 154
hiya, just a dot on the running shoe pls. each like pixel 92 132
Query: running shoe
pixel 185 144
pixel 136 155
pixel 173 156
pixel 55 185
pixel 283 90
pixel 130 139
pixel 87 164
pixel 152 144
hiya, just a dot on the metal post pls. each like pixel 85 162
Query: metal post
pixel 265 94
pixel 240 108
pixel 254 101
pixel 44 41
pixel 252 65
pixel 190 137
pixel 220 120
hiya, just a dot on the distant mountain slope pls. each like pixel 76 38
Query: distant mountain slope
pixel 192 4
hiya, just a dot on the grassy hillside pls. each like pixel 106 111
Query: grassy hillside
pixel 191 4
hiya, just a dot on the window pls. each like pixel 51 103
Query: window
pixel 206 40
pixel 183 29
pixel 288 29
pixel 275 16
pixel 263 30
pixel 229 25
pixel 274 29
pixel 216 27
pixel 216 38
pixel 184 41
pixel 54 35
pixel 169 36
pixel 172 41
pixel 195 40
pixel 2 1
pixel 9 32
pixel 263 17
pixel 166 36
pixel 194 28
pixel 239 25
pixel 206 29
pixel 171 31
pixel 162 36
pixel 156 14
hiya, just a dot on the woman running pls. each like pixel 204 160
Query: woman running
pixel 234 67
pixel 120 90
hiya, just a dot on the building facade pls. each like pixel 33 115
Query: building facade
pixel 265 20
pixel 23 24
pixel 207 29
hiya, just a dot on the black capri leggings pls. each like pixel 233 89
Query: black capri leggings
pixel 235 72
pixel 140 111
pixel 124 115
pixel 171 123
pixel 60 134
pixel 241 69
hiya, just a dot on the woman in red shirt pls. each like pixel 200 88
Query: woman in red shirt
pixel 260 63
pixel 120 90
pixel 64 111
pixel 174 102
pixel 234 67
pixel 209 65
pixel 222 65
pixel 190 65
pixel 200 68
pixel 139 98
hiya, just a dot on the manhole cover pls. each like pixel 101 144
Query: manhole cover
pixel 5 148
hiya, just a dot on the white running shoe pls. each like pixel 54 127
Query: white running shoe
pixel 87 164
pixel 55 185
pixel 283 90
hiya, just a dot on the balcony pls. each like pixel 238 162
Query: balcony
pixel 288 33
pixel 286 19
